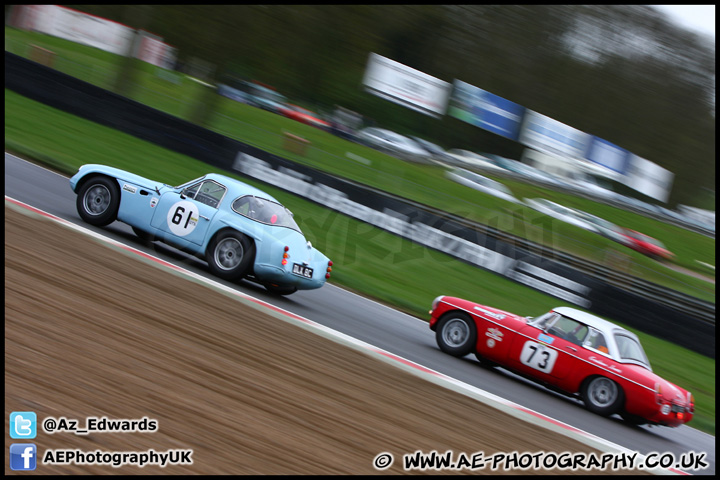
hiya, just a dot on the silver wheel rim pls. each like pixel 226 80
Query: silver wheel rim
pixel 229 253
pixel 97 200
pixel 456 332
pixel 603 392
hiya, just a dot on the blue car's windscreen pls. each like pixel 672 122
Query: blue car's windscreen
pixel 265 211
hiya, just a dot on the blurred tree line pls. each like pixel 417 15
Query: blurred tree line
pixel 623 73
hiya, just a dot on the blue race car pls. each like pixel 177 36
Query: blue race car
pixel 238 229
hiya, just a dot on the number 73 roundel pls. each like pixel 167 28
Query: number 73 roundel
pixel 538 356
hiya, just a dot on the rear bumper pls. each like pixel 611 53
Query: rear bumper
pixel 277 275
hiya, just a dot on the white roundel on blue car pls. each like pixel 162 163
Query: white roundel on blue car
pixel 182 218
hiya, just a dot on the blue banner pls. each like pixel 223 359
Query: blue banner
pixel 608 155
pixel 486 110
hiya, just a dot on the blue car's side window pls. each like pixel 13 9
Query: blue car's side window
pixel 191 191
pixel 208 192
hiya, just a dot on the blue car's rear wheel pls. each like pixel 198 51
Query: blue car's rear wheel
pixel 229 255
pixel 98 201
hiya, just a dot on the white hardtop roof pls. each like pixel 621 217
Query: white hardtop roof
pixel 589 319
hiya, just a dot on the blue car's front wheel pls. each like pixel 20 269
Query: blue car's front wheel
pixel 229 255
pixel 98 200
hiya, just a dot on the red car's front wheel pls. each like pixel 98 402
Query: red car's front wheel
pixel 456 334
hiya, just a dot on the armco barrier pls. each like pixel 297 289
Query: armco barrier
pixel 384 211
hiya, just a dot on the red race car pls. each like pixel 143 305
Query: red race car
pixel 303 115
pixel 569 351
pixel 647 245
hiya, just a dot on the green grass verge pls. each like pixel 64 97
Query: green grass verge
pixel 367 260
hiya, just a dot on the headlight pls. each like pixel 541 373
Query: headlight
pixel 665 409
pixel 435 302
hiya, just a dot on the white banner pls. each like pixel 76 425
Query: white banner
pixel 406 86
pixel 649 178
pixel 78 27
pixel 93 31
pixel 544 134
pixel 153 50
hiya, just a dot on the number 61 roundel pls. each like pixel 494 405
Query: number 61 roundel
pixel 182 218
pixel 538 356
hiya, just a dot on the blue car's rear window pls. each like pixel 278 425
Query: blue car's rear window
pixel 265 211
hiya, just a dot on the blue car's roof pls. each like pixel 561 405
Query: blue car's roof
pixel 238 188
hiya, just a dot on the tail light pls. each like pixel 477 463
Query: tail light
pixel 329 269
pixel 285 256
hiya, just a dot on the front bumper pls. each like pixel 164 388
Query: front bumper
pixel 672 415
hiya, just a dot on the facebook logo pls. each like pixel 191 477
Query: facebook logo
pixel 23 456
pixel 23 425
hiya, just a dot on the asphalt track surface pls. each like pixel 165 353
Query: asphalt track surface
pixel 377 325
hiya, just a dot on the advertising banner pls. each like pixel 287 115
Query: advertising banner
pixel 550 136
pixel 485 110
pixel 649 178
pixel 152 50
pixel 77 27
pixel 406 86
pixel 93 31
pixel 608 155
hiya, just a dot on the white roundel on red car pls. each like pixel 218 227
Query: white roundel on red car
pixel 182 218
pixel 538 356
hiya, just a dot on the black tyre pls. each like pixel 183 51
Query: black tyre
pixel 229 255
pixel 485 362
pixel 98 201
pixel 277 290
pixel 602 396
pixel 143 235
pixel 456 334
pixel 633 419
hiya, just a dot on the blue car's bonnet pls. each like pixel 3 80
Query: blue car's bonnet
pixel 121 175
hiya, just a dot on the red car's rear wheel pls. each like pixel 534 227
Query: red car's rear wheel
pixel 602 395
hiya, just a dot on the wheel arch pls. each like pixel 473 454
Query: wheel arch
pixel 91 175
pixel 600 373
pixel 472 317
pixel 228 228
pixel 451 311
pixel 621 390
